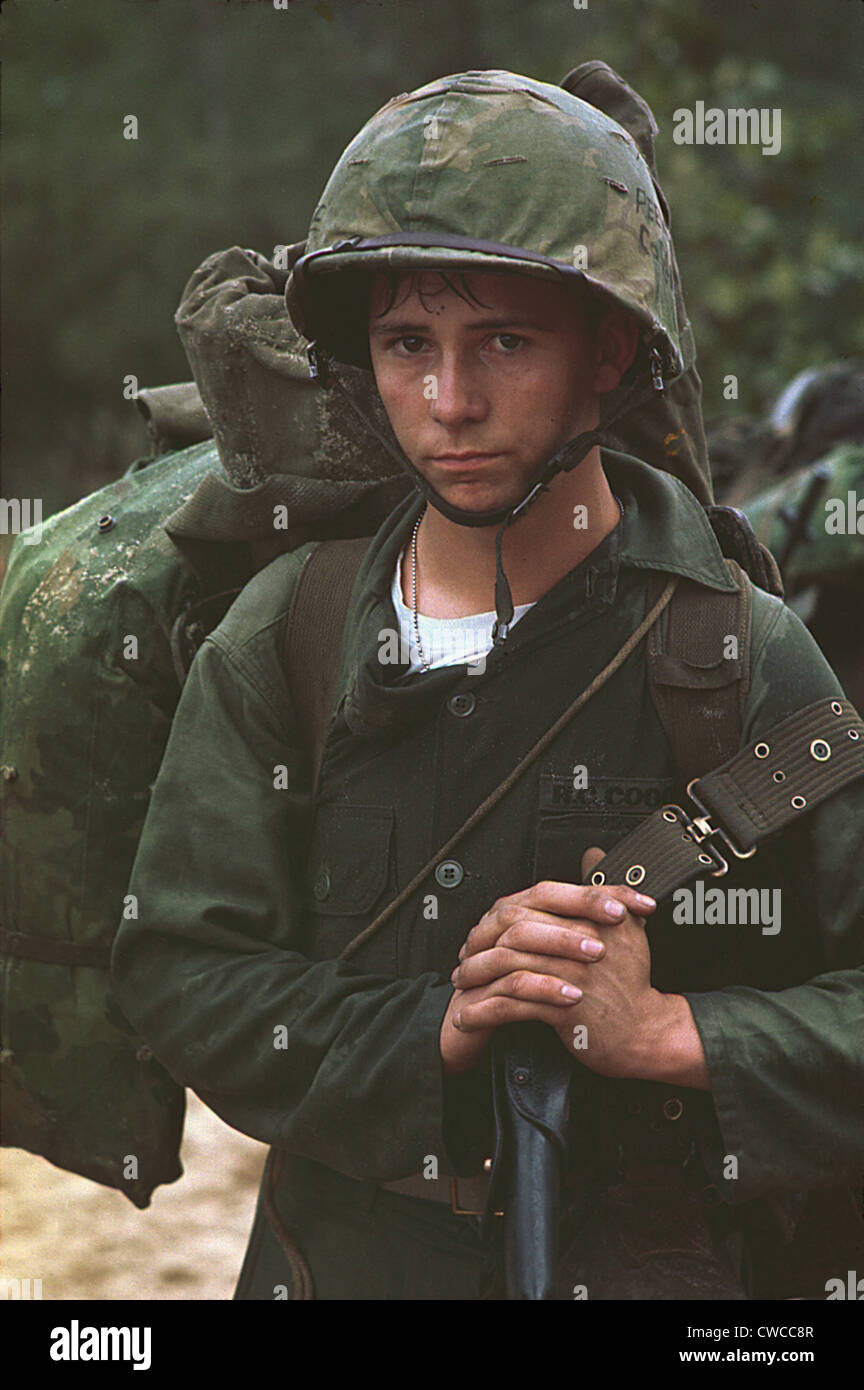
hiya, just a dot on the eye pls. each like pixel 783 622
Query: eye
pixel 410 344
pixel 509 341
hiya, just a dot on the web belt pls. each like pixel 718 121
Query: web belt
pixel 800 762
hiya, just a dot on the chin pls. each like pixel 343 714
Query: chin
pixel 473 498
pixel 476 494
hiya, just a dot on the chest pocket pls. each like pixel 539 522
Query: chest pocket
pixel 563 837
pixel 349 859
pixel 600 815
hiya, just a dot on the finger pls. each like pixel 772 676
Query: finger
pixel 584 900
pixel 505 913
pixel 591 857
pixel 570 941
pixel 483 969
pixel 475 971
pixel 557 904
pixel 530 986
pixel 500 1009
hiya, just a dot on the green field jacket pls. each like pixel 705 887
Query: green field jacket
pixel 245 897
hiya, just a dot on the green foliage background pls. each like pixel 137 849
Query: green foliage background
pixel 243 108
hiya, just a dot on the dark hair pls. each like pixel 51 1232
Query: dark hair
pixel 344 307
pixel 393 277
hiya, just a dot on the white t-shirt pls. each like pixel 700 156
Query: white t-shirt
pixel 446 641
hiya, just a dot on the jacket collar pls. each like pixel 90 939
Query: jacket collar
pixel 664 528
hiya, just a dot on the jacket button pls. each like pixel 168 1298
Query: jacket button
pixel 487 1165
pixel 321 886
pixel 461 705
pixel 449 873
pixel 673 1108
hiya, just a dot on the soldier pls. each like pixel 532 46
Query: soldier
pixel 492 249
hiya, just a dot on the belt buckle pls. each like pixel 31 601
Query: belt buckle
pixel 701 828
pixel 454 1198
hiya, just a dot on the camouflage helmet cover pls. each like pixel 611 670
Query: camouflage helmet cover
pixel 488 171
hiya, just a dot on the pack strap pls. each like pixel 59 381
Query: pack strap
pixel 798 764
pixel 698 670
pixel 314 636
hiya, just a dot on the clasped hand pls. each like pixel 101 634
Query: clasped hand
pixel 573 956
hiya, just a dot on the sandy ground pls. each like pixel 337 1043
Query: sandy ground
pixel 87 1241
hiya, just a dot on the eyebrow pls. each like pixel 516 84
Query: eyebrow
pixel 405 326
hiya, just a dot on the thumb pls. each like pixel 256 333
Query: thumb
pixel 590 859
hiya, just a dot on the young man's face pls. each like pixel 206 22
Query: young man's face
pixel 480 394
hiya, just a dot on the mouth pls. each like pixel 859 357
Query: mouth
pixel 462 460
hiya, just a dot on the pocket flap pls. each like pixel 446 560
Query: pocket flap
pixel 349 859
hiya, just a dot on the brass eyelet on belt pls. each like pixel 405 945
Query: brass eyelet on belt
pixel 854 735
pixel 836 707
pixel 820 750
pixel 673 1108
pixel 670 816
pixel 685 836
pixel 799 802
pixel 761 750
pixel 705 859
pixel 635 874
pixel 598 877
pixel 779 776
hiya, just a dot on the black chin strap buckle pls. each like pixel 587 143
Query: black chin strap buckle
pixel 656 369
pixel 318 364
pixel 526 501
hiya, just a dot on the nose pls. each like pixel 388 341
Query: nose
pixel 457 396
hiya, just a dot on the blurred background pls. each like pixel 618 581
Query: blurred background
pixel 243 108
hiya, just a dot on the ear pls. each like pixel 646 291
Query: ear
pixel 616 342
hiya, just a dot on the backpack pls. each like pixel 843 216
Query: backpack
pixel 98 624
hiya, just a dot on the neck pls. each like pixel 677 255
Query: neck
pixel 456 564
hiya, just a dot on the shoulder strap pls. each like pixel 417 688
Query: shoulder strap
pixel 314 633
pixel 699 670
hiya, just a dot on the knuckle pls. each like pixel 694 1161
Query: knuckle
pixel 511 912
pixel 499 1008
pixel 499 959
pixel 518 982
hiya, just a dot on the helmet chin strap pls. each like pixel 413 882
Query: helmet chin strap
pixel 639 392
